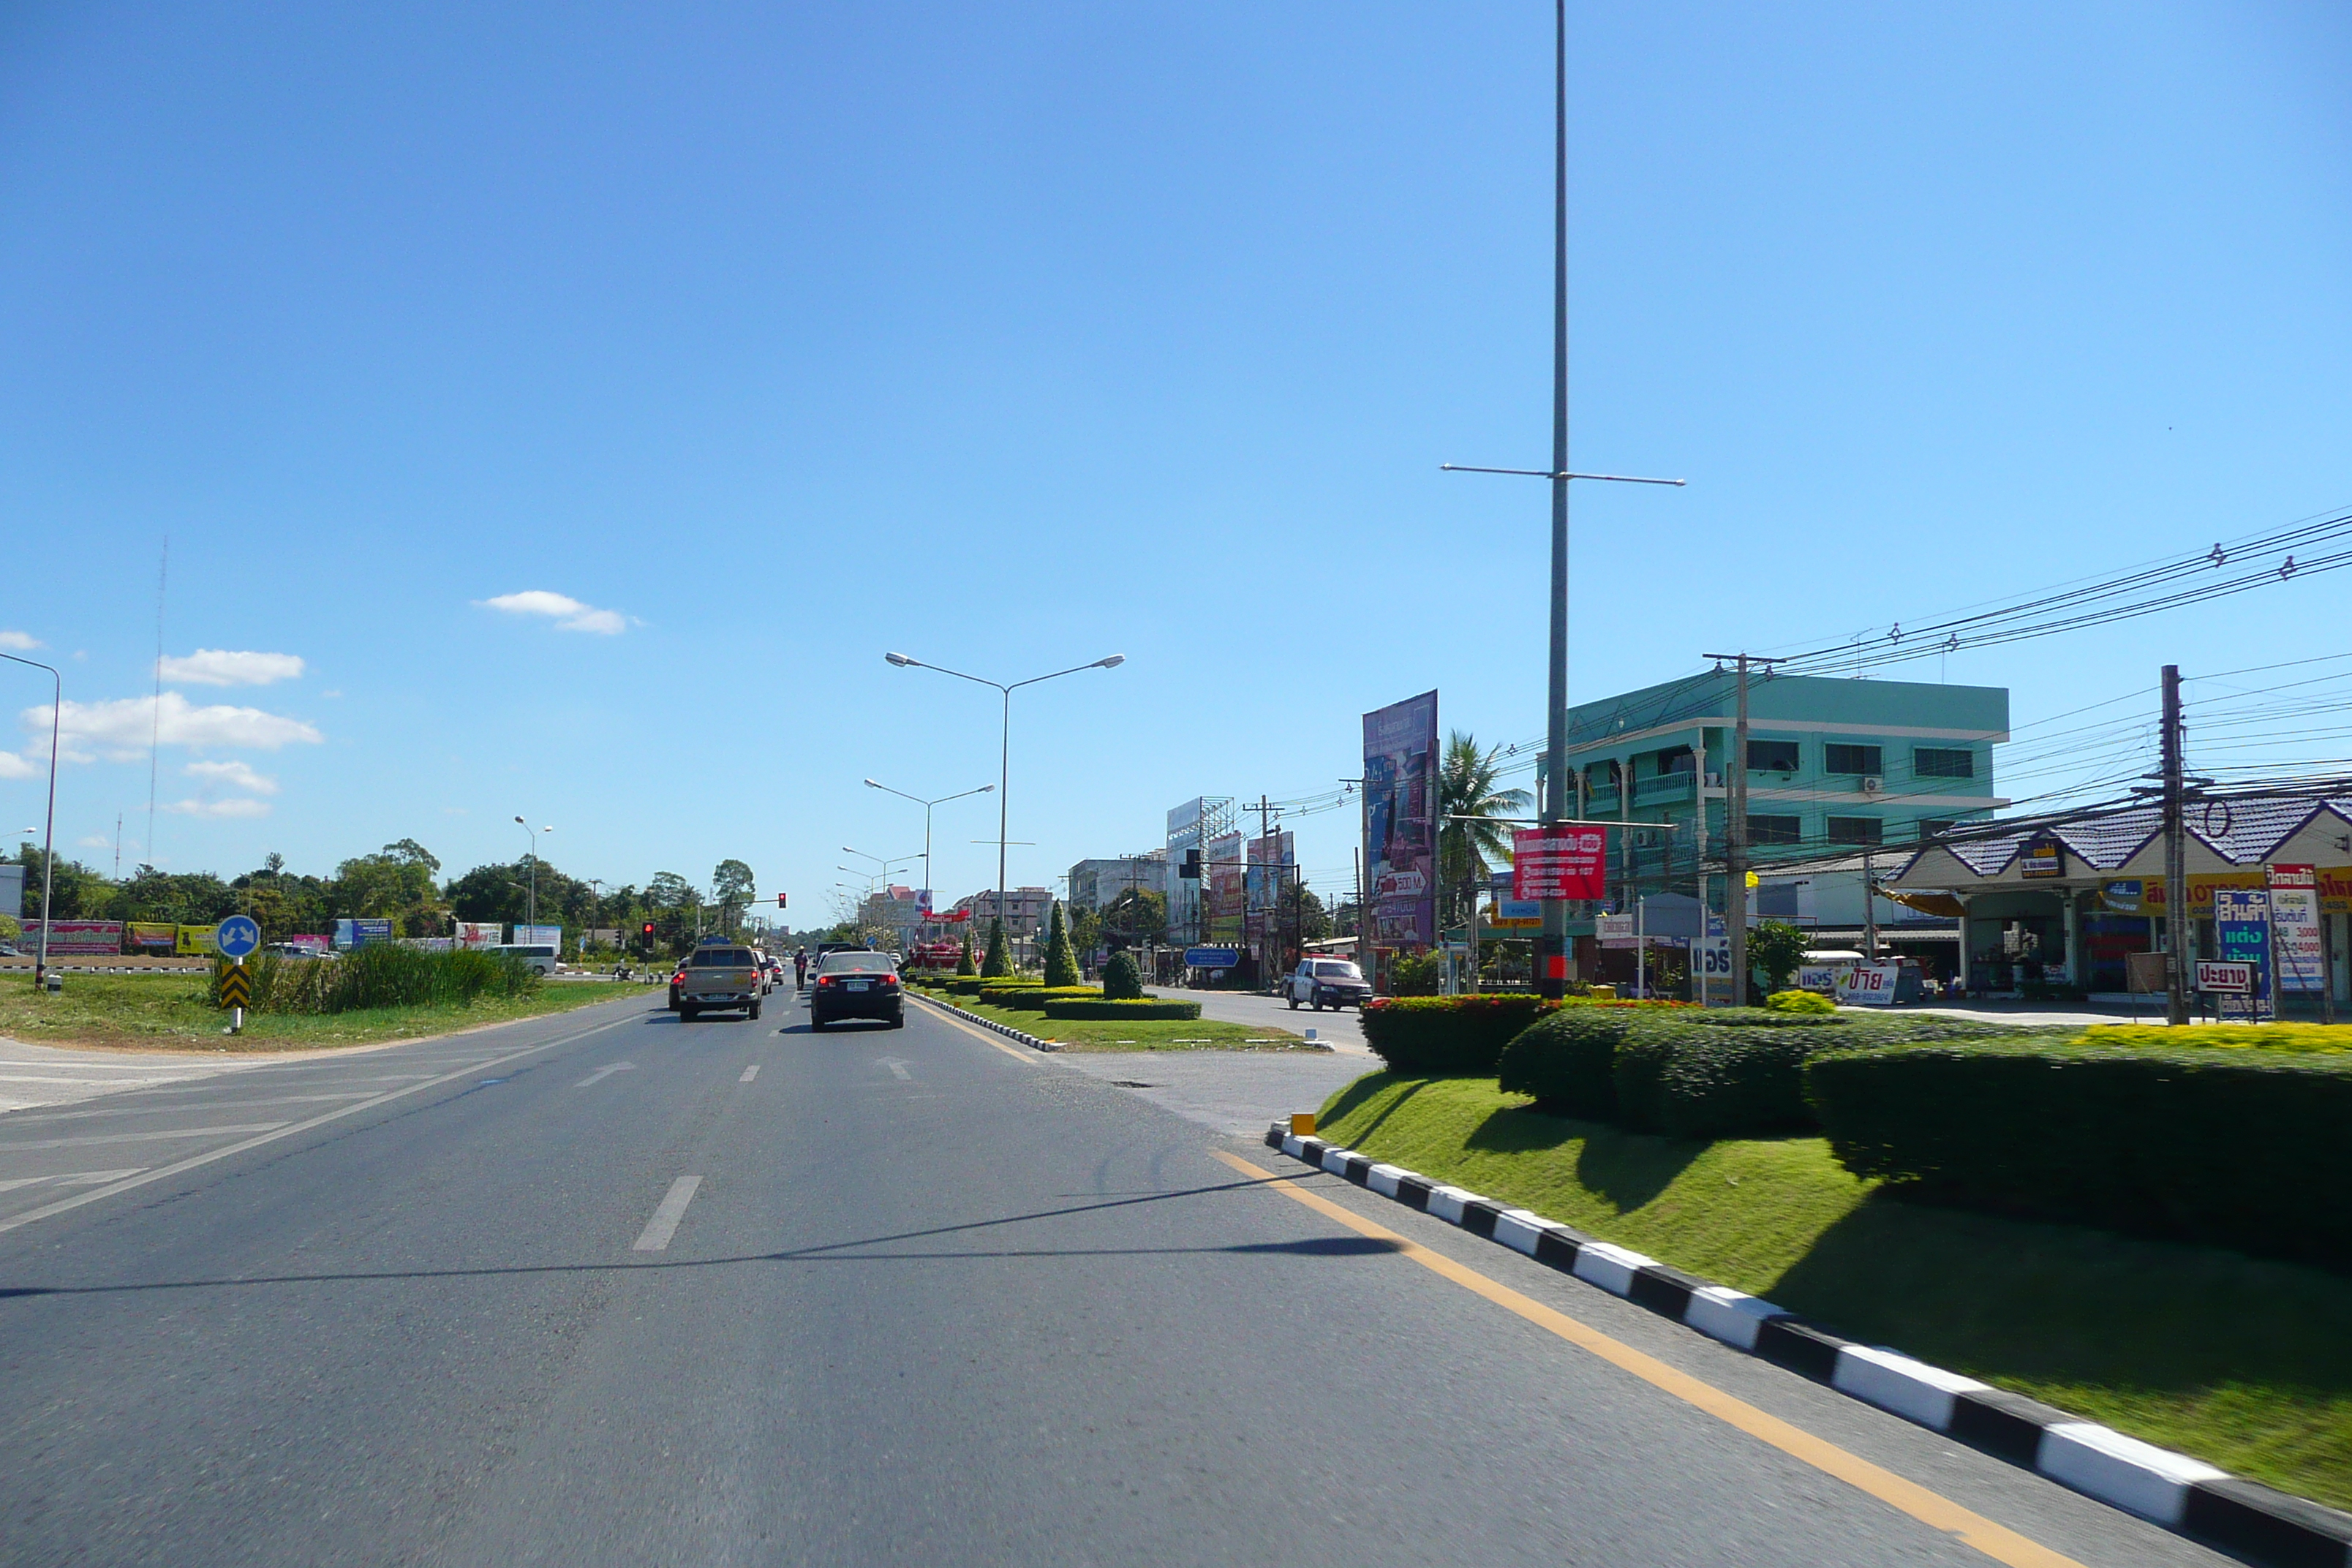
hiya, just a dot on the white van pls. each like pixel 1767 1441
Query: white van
pixel 539 955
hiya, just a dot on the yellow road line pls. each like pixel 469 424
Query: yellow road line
pixel 985 1039
pixel 1931 1509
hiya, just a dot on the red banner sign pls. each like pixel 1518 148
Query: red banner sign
pixel 1559 862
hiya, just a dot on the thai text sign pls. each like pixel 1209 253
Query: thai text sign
pixel 76 936
pixel 161 936
pixel 1559 862
pixel 1868 984
pixel 2241 924
pixel 474 934
pixel 2295 927
pixel 2234 978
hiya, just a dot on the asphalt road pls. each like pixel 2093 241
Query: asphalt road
pixel 609 1288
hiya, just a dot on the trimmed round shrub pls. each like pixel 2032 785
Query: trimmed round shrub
pixel 1143 1011
pixel 1030 996
pixel 1799 1002
pixel 1121 982
pixel 1447 1037
pixel 1567 1062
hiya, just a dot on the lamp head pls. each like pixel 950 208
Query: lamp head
pixel 988 789
pixel 525 823
pixel 871 784
pixel 1113 662
pixel 900 659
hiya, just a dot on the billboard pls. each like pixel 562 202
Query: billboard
pixel 1401 821
pixel 477 934
pixel 1559 861
pixel 538 936
pixel 2241 926
pixel 1221 888
pixel 87 937
pixel 360 932
pixel 152 936
pixel 1268 873
pixel 194 942
pixel 2295 927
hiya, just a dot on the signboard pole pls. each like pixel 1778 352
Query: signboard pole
pixel 2177 923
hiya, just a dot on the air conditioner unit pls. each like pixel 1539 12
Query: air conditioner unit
pixel 1872 785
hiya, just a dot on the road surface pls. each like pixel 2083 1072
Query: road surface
pixel 609 1288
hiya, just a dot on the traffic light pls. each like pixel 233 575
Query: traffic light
pixel 780 901
pixel 648 933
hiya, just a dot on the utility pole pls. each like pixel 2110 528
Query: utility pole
pixel 1735 830
pixel 1272 910
pixel 2175 857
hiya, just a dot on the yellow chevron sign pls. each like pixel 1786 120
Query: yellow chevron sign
pixel 236 987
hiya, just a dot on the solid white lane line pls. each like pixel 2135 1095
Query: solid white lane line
pixel 157 1137
pixel 601 1074
pixel 655 1237
pixel 209 1156
pixel 73 1179
pixel 750 1073
pixel 176 1108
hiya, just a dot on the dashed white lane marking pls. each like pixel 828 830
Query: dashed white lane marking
pixel 655 1237
pixel 750 1073
pixel 601 1074
pixel 156 1137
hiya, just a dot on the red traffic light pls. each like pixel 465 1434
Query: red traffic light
pixel 649 927
pixel 780 901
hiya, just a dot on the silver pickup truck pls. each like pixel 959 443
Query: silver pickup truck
pixel 720 976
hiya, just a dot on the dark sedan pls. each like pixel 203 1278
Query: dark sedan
pixel 856 985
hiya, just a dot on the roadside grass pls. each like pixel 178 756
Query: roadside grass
pixel 2240 1362
pixel 1136 1033
pixel 170 1011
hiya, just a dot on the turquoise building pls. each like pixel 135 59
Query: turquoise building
pixel 1836 770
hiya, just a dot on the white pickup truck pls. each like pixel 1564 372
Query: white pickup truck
pixel 1321 983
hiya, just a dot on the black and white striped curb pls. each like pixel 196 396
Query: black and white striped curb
pixel 1007 1030
pixel 2172 1490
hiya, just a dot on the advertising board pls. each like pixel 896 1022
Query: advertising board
pixel 2295 927
pixel 1559 862
pixel 1212 957
pixel 2241 928
pixel 473 935
pixel 82 937
pixel 1868 984
pixel 1221 887
pixel 360 932
pixel 2224 979
pixel 194 942
pixel 151 936
pixel 538 936
pixel 2042 857
pixel 314 946
pixel 1270 862
pixel 1401 820
pixel 1821 977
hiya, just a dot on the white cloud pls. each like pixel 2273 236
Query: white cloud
pixel 13 766
pixel 235 775
pixel 568 613
pixel 239 806
pixel 219 667
pixel 120 729
pixel 94 841
pixel 23 642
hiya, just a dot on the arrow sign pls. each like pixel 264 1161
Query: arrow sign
pixel 601 1074
pixel 236 936
pixel 898 1068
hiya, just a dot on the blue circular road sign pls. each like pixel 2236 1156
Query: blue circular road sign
pixel 236 936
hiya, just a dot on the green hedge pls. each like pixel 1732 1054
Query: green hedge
pixel 1032 998
pixel 965 985
pixel 2234 1147
pixel 1121 982
pixel 1075 1009
pixel 1567 1062
pixel 1440 1036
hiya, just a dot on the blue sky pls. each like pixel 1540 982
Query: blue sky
pixel 771 339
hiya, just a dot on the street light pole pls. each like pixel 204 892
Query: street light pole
pixel 930 886
pixel 1552 978
pixel 533 918
pixel 49 822
pixel 1004 754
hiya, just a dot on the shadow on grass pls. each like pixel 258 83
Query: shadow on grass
pixel 2016 1301
pixel 1369 1086
pixel 1629 1169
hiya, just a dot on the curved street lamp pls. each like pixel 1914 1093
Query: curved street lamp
pixel 49 831
pixel 928 886
pixel 534 917
pixel 1004 755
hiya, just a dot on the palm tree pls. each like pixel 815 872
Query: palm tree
pixel 1468 844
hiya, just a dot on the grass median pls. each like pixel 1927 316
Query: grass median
pixel 172 1012
pixel 1136 1034
pixel 2238 1362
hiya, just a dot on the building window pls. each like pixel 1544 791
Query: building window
pixel 1863 761
pixel 1771 756
pixel 1937 762
pixel 1775 829
pixel 1855 829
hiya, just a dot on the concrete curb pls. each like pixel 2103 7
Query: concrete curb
pixel 1007 1030
pixel 2187 1495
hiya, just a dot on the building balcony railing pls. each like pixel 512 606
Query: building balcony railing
pixel 1601 803
pixel 1664 787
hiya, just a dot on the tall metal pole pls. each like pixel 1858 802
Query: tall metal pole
pixel 1735 846
pixel 1003 802
pixel 1552 951
pixel 2175 857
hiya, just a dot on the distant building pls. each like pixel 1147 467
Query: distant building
pixel 1023 909
pixel 897 910
pixel 1095 883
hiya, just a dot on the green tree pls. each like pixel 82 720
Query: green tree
pixel 1314 919
pixel 1061 962
pixel 999 961
pixel 1776 948
pixel 730 889
pixel 1136 915
pixel 1469 840
pixel 1086 929
pixel 964 966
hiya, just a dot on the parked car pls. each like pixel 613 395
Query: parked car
pixel 719 976
pixel 1323 982
pixel 856 984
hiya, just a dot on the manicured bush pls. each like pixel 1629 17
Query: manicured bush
pixel 2230 1148
pixel 2301 1038
pixel 1033 998
pixel 964 966
pixel 1417 975
pixel 1121 980
pixel 966 984
pixel 1799 1002
pixel 1061 961
pixel 1739 1070
pixel 1567 1060
pixel 1076 1009
pixel 999 961
pixel 1437 1037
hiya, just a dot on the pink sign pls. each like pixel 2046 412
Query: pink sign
pixel 1559 862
